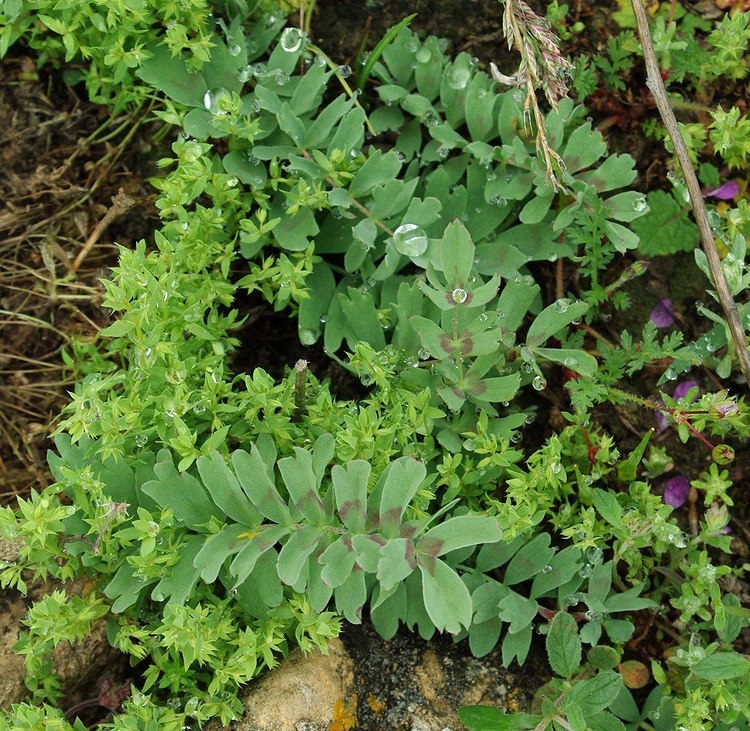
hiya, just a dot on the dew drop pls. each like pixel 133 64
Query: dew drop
pixel 547 569
pixel 562 304
pixel 141 440
pixel 235 49
pixel 344 71
pixel 459 295
pixel 539 383
pixel 213 97
pixel 410 240
pixel 291 39
pixel 458 77
pixel 423 55
pixel 640 205
pixel 424 354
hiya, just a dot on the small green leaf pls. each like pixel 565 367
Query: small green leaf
pixel 350 489
pixel 253 475
pixel 303 485
pixel 552 319
pixel 530 560
pixel 722 666
pixel 182 493
pixel 246 560
pixel 564 645
pixel 458 532
pixel 337 562
pixel 595 694
pixel 396 487
pixel 608 507
pixel 397 561
pixel 218 548
pixel 456 254
pixel 225 490
pixel 296 551
pixel 603 657
pixel 577 361
pixel 178 584
pixel 445 596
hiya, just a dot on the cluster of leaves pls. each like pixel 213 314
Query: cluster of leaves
pixel 222 517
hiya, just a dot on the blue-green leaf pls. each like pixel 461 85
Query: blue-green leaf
pixel 225 490
pixel 295 552
pixel 445 596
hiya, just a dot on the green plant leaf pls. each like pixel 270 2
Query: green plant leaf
pixel 576 360
pixel 337 561
pixel 253 475
pixel 225 490
pixel 303 485
pixel 458 532
pixel 296 551
pixel 564 645
pixel 487 718
pixel 181 493
pixel 608 507
pixel 722 666
pixel 397 561
pixel 552 319
pixel 445 596
pixel 177 586
pixel 529 561
pixel 258 545
pixel 396 487
pixel 218 548
pixel 519 611
pixel 456 254
pixel 595 694
pixel 350 489
pixel 350 597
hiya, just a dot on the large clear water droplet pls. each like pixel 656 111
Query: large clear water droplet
pixel 423 55
pixel 235 49
pixel 308 337
pixel 213 97
pixel 562 304
pixel 410 239
pixel 459 295
pixel 291 39
pixel 640 205
pixel 539 384
pixel 458 77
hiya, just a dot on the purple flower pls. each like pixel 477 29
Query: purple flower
pixel 725 192
pixel 663 315
pixel 676 491
pixel 682 390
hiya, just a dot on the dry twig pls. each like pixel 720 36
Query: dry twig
pixel 656 86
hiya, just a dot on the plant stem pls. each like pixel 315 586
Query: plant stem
pixel 656 87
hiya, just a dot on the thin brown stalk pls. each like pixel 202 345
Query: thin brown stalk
pixel 120 204
pixel 655 85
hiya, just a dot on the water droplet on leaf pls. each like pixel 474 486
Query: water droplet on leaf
pixel 459 295
pixel 213 97
pixel 291 39
pixel 410 240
